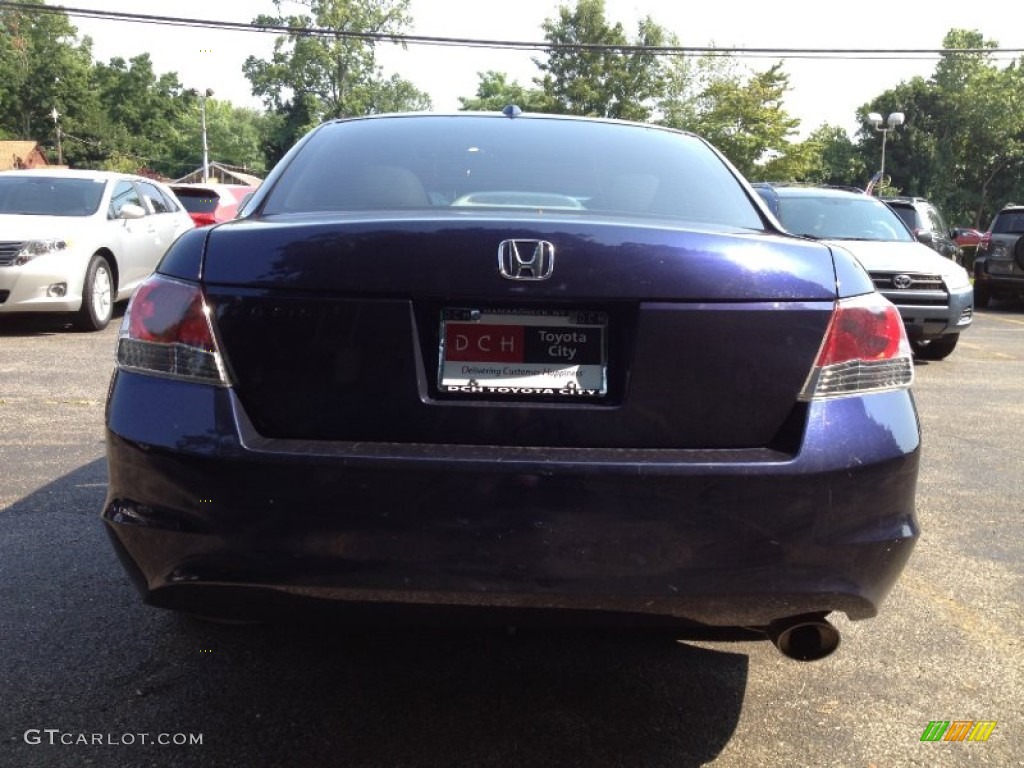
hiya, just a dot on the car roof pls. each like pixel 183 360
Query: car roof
pixel 811 191
pixel 503 115
pixel 77 173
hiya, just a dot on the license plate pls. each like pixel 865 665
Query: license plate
pixel 523 353
pixel 1002 267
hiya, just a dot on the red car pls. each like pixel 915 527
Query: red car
pixel 966 237
pixel 211 203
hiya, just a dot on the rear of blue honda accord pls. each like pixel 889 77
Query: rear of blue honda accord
pixel 513 363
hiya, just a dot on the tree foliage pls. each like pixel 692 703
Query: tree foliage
pixel 44 67
pixel 586 74
pixel 746 120
pixel 494 92
pixel 963 142
pixel 314 76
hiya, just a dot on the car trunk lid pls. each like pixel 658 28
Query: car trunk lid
pixel 344 329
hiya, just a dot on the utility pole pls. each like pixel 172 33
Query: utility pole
pixel 206 150
pixel 56 126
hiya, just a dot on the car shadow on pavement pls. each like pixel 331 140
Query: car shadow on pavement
pixel 88 670
pixel 33 324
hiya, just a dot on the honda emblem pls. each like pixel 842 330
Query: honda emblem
pixel 526 259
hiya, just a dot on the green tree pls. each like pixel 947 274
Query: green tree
pixel 687 83
pixel 747 121
pixel 43 66
pixel 601 82
pixel 494 93
pixel 314 76
pixel 963 142
pixel 235 136
pixel 834 159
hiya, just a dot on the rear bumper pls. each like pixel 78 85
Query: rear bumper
pixel 210 518
pixel 1009 282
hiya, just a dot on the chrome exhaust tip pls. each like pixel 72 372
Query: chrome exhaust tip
pixel 804 638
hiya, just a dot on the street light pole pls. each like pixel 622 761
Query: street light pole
pixel 895 119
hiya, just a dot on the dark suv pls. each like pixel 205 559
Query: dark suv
pixel 927 224
pixel 999 267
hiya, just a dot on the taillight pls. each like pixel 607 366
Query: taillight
pixel 166 331
pixel 202 219
pixel 983 243
pixel 865 350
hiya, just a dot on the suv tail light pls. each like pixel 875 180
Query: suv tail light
pixel 865 350
pixel 166 331
pixel 202 219
pixel 983 243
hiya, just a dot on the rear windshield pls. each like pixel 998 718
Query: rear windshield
pixel 909 215
pixel 841 217
pixel 50 195
pixel 530 164
pixel 197 200
pixel 1009 223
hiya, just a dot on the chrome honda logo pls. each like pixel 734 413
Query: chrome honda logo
pixel 526 259
pixel 902 281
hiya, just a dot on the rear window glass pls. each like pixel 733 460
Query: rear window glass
pixel 197 200
pixel 530 164
pixel 49 196
pixel 1009 223
pixel 909 215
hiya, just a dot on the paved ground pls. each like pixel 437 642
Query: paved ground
pixel 79 655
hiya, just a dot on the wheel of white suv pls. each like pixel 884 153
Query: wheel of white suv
pixel 97 296
pixel 936 349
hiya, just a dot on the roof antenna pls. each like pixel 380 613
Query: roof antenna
pixel 512 110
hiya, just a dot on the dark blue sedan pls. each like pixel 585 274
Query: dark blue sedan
pixel 513 363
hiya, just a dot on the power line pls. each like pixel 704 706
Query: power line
pixel 463 42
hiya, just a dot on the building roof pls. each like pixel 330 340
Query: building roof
pixel 21 154
pixel 221 174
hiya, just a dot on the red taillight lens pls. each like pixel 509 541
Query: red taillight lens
pixel 202 219
pixel 167 311
pixel 865 350
pixel 872 332
pixel 166 331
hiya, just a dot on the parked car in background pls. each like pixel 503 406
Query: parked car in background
pixel 211 203
pixel 512 362
pixel 999 265
pixel 933 293
pixel 927 224
pixel 966 237
pixel 76 242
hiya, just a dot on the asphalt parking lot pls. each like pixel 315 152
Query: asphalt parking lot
pixel 92 677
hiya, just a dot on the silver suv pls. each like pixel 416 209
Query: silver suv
pixel 932 293
pixel 999 266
